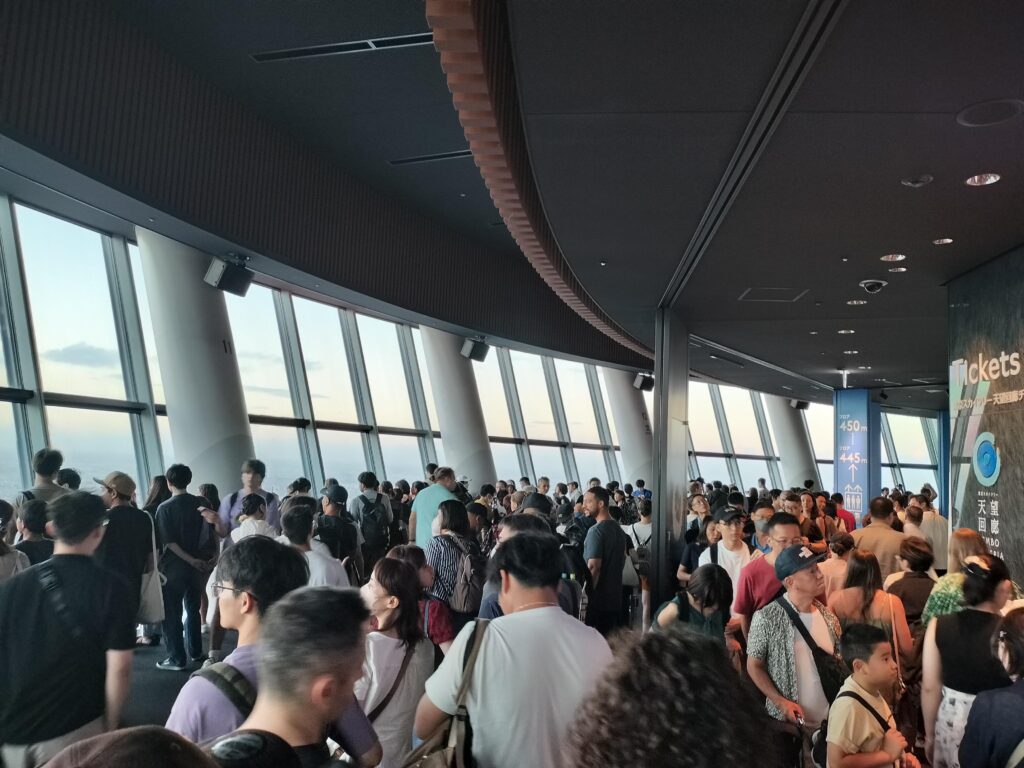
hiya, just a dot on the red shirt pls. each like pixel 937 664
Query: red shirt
pixel 757 587
pixel 847 517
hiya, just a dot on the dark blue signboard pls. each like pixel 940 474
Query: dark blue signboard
pixel 857 465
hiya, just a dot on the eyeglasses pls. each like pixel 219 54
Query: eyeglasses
pixel 218 589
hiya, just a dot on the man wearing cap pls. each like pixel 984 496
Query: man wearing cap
pixel 336 528
pixel 758 585
pixel 67 632
pixel 779 661
pixel 127 546
pixel 732 552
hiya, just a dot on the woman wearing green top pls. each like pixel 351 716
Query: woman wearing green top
pixel 704 604
pixel 948 593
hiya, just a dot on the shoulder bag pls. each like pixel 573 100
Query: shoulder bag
pixel 832 671
pixel 899 687
pixel 448 746
pixel 375 713
pixel 151 597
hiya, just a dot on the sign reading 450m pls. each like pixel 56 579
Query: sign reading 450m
pixel 852 450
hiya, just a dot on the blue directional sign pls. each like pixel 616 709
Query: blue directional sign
pixel 857 436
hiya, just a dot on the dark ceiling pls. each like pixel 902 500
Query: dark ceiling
pixel 632 125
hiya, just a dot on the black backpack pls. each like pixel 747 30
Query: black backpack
pixel 643 554
pixel 339 534
pixel 373 522
pixel 399 532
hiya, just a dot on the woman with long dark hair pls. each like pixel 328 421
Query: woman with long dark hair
pixel 709 534
pixel 399 657
pixel 863 601
pixel 446 549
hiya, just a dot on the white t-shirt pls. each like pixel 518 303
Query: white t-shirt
pixel 383 662
pixel 315 544
pixel 535 668
pixel 809 692
pixel 733 562
pixel 325 571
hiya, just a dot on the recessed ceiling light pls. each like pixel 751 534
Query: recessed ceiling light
pixel 857 302
pixel 897 269
pixel 863 367
pixel 943 241
pixel 462 194
pixel 851 352
pixel 788 389
pixel 894 257
pixel 813 333
pixel 845 259
pixel 604 263
pixel 916 182
pixel 982 179
pixel 990 113
pixel 846 331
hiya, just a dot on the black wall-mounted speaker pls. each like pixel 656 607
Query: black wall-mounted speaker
pixel 229 277
pixel 644 382
pixel 800 405
pixel 475 350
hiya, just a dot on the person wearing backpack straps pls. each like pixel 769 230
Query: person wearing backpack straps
pixel 253 574
pixel 641 533
pixel 732 552
pixel 372 512
pixel 253 473
pixel 460 570
pixel 860 724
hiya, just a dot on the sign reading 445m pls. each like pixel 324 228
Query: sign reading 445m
pixel 852 422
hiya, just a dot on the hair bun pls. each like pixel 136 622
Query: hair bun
pixel 978 570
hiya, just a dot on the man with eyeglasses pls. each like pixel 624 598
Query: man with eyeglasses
pixel 253 575
pixel 758 584
pixel 67 632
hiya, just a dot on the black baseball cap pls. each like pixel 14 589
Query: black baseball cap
pixel 725 514
pixel 336 494
pixel 794 559
pixel 537 501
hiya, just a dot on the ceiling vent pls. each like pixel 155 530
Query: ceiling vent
pixel 432 158
pixel 353 46
pixel 783 295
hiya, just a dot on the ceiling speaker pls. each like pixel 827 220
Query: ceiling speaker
pixel 644 382
pixel 229 277
pixel 475 350
pixel 800 405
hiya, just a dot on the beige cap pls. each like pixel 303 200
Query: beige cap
pixel 118 482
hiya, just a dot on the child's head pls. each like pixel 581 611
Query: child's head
pixel 866 650
pixel 254 507
pixel 415 557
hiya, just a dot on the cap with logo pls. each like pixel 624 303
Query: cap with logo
pixel 794 559
pixel 118 482
pixel 725 514
pixel 336 494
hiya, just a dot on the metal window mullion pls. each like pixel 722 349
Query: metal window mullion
pixel 132 348
pixel 561 422
pixel 373 454
pixel 22 358
pixel 515 411
pixel 931 439
pixel 814 452
pixel 766 438
pixel 298 386
pixel 726 436
pixel 417 393
pixel 604 431
pixel 890 447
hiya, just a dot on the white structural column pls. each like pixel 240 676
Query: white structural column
pixel 198 365
pixel 632 425
pixel 457 401
pixel 796 458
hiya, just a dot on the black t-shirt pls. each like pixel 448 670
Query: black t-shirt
pixel 127 543
pixel 178 521
pixel 606 542
pixel 37 550
pixel 51 683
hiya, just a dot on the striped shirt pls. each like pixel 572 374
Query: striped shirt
pixel 443 556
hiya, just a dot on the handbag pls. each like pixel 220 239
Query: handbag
pixel 832 671
pixel 151 595
pixel 900 686
pixel 448 746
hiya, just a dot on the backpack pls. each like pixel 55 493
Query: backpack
pixel 470 575
pixel 819 742
pixel 233 684
pixel 339 534
pixel 399 531
pixel 575 534
pixel 373 523
pixel 643 554
pixel 714 551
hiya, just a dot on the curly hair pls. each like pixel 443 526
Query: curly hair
pixel 644 707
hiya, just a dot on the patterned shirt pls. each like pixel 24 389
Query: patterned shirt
pixel 772 639
pixel 443 556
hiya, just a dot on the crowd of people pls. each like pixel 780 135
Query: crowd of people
pixel 513 625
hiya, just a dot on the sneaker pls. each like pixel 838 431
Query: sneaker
pixel 170 665
pixel 201 660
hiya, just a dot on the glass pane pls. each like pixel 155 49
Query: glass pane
pixel 428 390
pixel 147 324
pixel 10 464
pixel 576 402
pixel 914 479
pixel 384 369
pixel 506 461
pixel 703 427
pixel 260 359
pixel 78 350
pixel 885 452
pixel 771 429
pixel 323 350
pixel 343 457
pixel 826 471
pixel 163 425
pixel 649 399
pixel 492 396
pixel 547 462
pixel 278 448
pixel 94 442
pixel 750 471
pixel 909 440
pixel 713 468
pixel 439 450
pixel 402 460
pixel 622 469
pixel 589 463
pixel 888 477
pixel 739 415
pixel 533 396
pixel 607 406
pixel 821 424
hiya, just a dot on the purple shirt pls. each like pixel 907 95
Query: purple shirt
pixel 202 713
pixel 228 511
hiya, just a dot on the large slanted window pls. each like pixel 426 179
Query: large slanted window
pixel 379 340
pixel 257 338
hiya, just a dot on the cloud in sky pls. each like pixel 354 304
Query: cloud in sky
pixel 84 354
